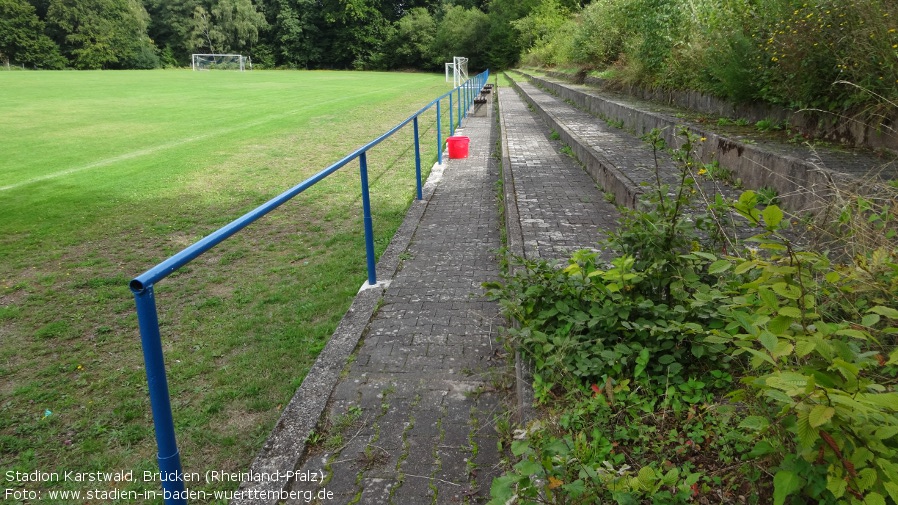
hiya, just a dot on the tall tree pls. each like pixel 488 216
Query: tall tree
pixel 103 33
pixel 171 24
pixel 295 32
pixel 239 22
pixel 462 32
pixel 505 41
pixel 41 6
pixel 352 33
pixel 412 41
pixel 204 34
pixel 22 37
pixel 231 26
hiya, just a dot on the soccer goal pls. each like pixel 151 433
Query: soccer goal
pixel 221 62
pixel 459 68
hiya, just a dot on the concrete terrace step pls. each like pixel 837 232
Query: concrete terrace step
pixel 552 206
pixel 806 179
pixel 422 376
pixel 624 165
pixel 403 399
pixel 551 203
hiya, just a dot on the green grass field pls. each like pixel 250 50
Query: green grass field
pixel 104 174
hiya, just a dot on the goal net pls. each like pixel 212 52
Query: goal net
pixel 221 62
pixel 459 69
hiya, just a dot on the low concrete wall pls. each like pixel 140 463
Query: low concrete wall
pixel 801 185
pixel 601 169
pixel 813 123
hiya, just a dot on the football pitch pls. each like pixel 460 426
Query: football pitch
pixel 104 174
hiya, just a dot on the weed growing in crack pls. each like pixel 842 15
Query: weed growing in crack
pixel 336 432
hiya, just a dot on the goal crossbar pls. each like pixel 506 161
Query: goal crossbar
pixel 200 61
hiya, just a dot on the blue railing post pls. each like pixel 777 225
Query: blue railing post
pixel 451 127
pixel 417 160
pixel 366 210
pixel 464 90
pixel 458 104
pixel 439 135
pixel 168 457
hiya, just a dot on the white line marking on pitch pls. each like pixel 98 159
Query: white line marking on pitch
pixel 169 145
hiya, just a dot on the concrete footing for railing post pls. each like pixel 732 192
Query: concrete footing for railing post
pixel 381 284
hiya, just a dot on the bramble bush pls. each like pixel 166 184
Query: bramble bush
pixel 674 374
pixel 794 53
pixel 815 45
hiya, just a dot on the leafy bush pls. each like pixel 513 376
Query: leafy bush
pixel 819 43
pixel 837 55
pixel 599 38
pixel 828 379
pixel 673 374
pixel 547 31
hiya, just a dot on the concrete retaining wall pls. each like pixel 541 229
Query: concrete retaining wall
pixel 815 124
pixel 801 186
pixel 601 169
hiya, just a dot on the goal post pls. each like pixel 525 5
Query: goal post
pixel 459 67
pixel 220 62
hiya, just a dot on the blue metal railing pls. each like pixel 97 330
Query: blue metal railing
pixel 172 476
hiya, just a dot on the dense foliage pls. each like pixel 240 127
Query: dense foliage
pixel 829 54
pixel 675 374
pixel 789 52
pixel 357 34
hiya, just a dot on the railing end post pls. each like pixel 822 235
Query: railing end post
pixel 369 228
pixel 160 401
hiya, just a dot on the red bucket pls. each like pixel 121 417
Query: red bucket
pixel 458 147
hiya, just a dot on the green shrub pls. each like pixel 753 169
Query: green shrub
pixel 827 377
pixel 598 39
pixel 836 55
pixel 675 375
pixel 819 43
